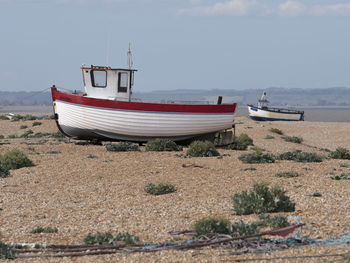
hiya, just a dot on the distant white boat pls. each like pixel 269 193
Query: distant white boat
pixel 262 112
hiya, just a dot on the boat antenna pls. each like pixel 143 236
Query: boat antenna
pixel 129 57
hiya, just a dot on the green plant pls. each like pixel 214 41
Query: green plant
pixel 15 159
pixel 344 165
pixel 36 123
pixel 27 134
pixel 40 229
pixel 159 189
pixel 300 156
pixel 4 172
pixel 341 177
pixel 274 222
pixel 340 153
pixel 243 229
pixel 6 252
pixel 277 131
pixel 287 174
pixel 2 136
pixel 91 156
pixel 127 238
pixel 250 169
pixel 53 152
pixel 99 238
pixel 257 157
pixel 240 143
pixel 262 200
pixel 12 136
pixel 293 139
pixel 3 117
pixel 269 137
pixel 122 147
pixel 202 149
pixel 162 145
pixel 27 117
pixel 209 225
pixel 23 127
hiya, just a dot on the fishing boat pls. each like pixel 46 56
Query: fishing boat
pixel 263 112
pixel 107 111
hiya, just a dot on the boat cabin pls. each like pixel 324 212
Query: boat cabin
pixel 263 103
pixel 108 83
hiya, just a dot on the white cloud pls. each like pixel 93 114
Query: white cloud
pixel 335 10
pixel 291 8
pixel 232 7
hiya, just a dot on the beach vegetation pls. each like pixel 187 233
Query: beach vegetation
pixel 27 134
pixel 99 238
pixel 7 252
pixel 159 145
pixel 274 222
pixel 343 176
pixel 15 159
pixel 240 143
pixel 12 136
pixel 202 149
pixel 3 171
pixel 262 199
pixel 244 229
pixel 159 189
pixel 27 117
pixel 287 174
pixel 2 136
pixel 40 229
pixel 36 123
pixel 293 139
pixel 269 137
pixel 122 147
pixel 23 127
pixel 340 153
pixel 211 225
pixel 3 117
pixel 300 156
pixel 127 238
pixel 277 131
pixel 257 157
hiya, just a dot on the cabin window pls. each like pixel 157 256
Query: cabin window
pixel 123 82
pixel 99 78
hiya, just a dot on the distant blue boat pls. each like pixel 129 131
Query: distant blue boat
pixel 262 112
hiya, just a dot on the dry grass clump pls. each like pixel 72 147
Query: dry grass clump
pixel 262 200
pixel 159 189
pixel 202 149
pixel 159 145
pixel 15 159
pixel 300 156
pixel 340 153
pixel 293 139
pixel 123 147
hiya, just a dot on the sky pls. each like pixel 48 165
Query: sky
pixel 177 44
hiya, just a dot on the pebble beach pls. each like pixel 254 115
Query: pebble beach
pixel 82 189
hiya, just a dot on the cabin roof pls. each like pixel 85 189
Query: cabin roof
pixel 92 67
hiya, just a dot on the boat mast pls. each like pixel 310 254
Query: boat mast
pixel 129 57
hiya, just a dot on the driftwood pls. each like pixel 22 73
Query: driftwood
pixel 213 240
